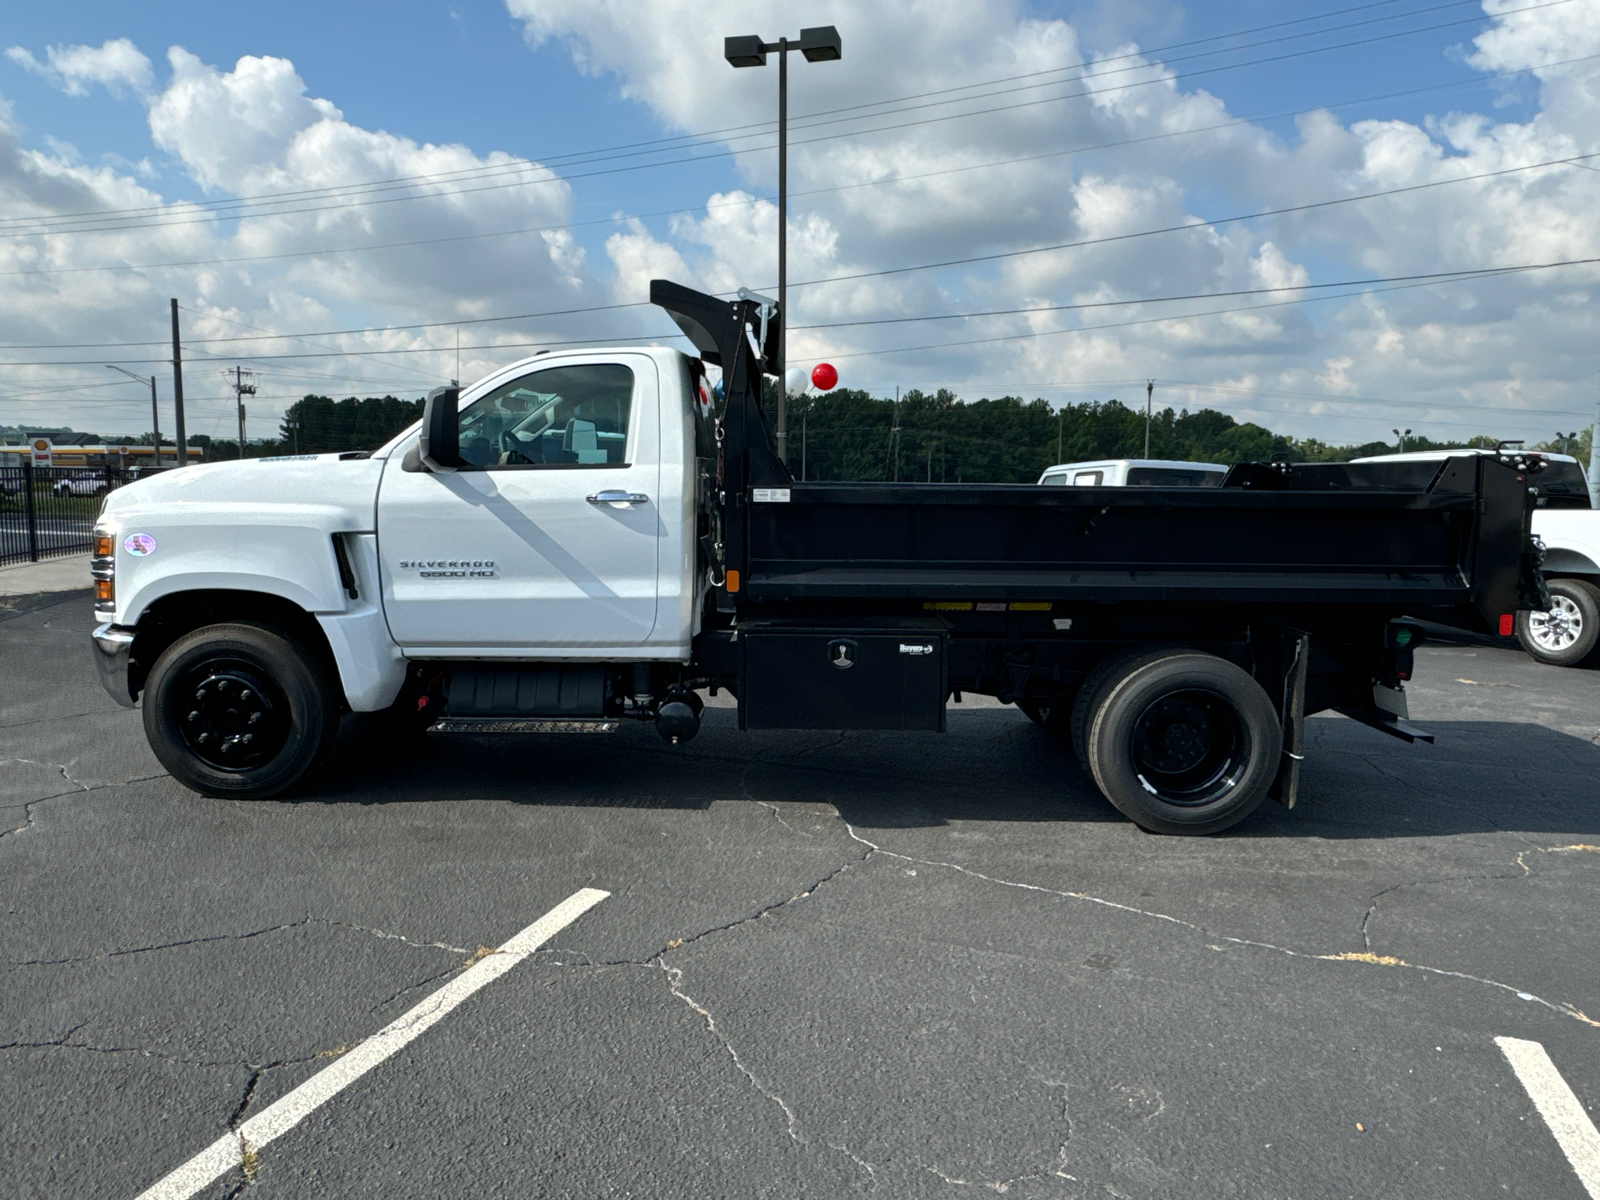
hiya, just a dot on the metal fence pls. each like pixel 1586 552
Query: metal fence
pixel 49 512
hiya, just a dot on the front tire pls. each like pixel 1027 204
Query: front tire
pixel 239 711
pixel 1566 635
pixel 1182 742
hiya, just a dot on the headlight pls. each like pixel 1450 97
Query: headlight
pixel 103 567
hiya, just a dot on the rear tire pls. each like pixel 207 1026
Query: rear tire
pixel 1181 742
pixel 1566 635
pixel 239 711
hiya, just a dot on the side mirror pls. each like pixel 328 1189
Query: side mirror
pixel 441 434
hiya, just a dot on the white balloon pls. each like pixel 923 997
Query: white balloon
pixel 797 381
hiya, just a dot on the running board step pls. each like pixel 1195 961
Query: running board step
pixel 523 725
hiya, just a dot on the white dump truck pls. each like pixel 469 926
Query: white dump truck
pixel 587 537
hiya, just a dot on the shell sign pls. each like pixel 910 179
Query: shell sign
pixel 42 450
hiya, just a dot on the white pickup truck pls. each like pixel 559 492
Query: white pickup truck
pixel 1134 472
pixel 1569 633
pixel 584 538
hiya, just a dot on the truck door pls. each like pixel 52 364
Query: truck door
pixel 549 536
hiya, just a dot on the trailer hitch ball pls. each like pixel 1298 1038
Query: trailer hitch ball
pixel 678 718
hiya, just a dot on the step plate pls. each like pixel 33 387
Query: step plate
pixel 522 725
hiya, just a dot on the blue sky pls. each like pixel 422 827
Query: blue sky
pixel 543 78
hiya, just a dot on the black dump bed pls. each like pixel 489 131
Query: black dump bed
pixel 1315 534
pixel 1450 538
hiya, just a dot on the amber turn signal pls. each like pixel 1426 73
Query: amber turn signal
pixel 103 547
pixel 104 591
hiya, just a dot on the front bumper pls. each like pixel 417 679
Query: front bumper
pixel 113 648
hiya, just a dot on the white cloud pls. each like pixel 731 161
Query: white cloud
pixel 939 189
pixel 253 130
pixel 1460 348
pixel 115 65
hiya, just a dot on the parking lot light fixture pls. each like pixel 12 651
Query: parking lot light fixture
pixel 819 44
pixel 155 415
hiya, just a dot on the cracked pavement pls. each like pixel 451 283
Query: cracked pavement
pixel 870 964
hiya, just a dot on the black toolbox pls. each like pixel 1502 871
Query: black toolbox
pixel 864 675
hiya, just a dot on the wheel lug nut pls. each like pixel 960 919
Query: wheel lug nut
pixel 193 717
pixel 245 694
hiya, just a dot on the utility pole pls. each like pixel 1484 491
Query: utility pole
pixel 1594 459
pixel 894 435
pixel 819 44
pixel 177 389
pixel 241 389
pixel 1061 420
pixel 1149 401
pixel 802 449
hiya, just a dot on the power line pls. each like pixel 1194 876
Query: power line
pixel 1269 212
pixel 1404 282
pixel 546 161
pixel 1108 239
pixel 1488 273
pixel 123 227
pixel 899 179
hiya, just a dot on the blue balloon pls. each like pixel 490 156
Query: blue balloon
pixel 718 392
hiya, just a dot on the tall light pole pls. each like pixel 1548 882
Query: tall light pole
pixel 155 415
pixel 1149 399
pixel 820 44
pixel 1400 439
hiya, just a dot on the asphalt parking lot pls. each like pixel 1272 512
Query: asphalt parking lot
pixel 909 966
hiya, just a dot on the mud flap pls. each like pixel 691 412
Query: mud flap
pixel 1292 716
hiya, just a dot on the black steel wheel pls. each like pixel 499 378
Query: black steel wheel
pixel 239 710
pixel 1565 636
pixel 1183 742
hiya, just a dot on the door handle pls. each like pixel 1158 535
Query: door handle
pixel 615 497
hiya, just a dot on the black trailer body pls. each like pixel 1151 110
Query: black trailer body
pixel 1177 636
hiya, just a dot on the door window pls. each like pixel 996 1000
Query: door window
pixel 573 416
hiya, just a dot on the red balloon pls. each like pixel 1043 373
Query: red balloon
pixel 824 378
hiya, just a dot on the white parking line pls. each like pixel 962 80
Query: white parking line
pixel 1561 1110
pixel 229 1152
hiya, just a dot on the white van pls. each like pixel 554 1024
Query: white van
pixel 1134 472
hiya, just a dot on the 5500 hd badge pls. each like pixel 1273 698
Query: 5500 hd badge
pixel 449 568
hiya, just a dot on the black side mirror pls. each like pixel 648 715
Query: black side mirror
pixel 441 434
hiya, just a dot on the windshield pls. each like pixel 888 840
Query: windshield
pixel 1172 477
pixel 1562 485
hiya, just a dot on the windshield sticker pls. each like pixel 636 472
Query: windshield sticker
pixel 139 544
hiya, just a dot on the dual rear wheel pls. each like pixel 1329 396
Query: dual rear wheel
pixel 1178 740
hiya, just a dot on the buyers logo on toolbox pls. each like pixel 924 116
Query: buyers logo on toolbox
pixel 450 568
